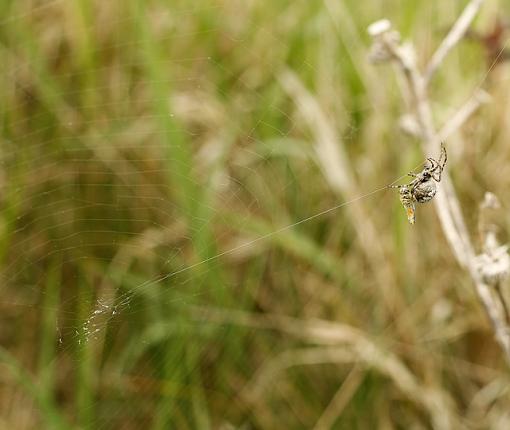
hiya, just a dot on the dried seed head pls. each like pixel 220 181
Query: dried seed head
pixel 490 201
pixel 385 41
pixel 494 266
pixel 379 27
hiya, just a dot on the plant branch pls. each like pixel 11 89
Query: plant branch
pixel 387 47
pixel 463 113
pixel 456 33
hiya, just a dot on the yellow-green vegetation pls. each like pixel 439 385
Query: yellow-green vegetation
pixel 154 158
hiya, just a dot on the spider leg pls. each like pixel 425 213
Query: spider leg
pixel 399 187
pixel 412 174
pixel 432 162
pixel 443 158
pixel 410 184
pixel 443 155
pixel 435 169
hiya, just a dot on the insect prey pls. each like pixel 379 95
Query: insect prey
pixel 423 187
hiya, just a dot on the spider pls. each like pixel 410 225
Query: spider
pixel 423 187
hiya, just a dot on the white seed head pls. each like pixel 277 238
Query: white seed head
pixel 494 266
pixel 379 27
pixel 490 201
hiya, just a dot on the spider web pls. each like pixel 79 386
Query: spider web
pixel 159 191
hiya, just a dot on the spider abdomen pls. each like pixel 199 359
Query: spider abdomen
pixel 424 191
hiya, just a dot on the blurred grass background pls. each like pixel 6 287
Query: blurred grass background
pixel 143 141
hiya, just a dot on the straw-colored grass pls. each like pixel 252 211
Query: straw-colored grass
pixel 162 166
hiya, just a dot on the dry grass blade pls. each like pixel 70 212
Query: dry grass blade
pixel 335 343
pixel 333 161
pixel 340 399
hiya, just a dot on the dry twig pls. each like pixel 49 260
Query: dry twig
pixel 387 47
pixel 456 33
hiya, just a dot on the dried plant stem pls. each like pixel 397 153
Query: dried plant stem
pixel 463 113
pixel 456 33
pixel 446 202
pixel 334 343
pixel 333 161
pixel 340 399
